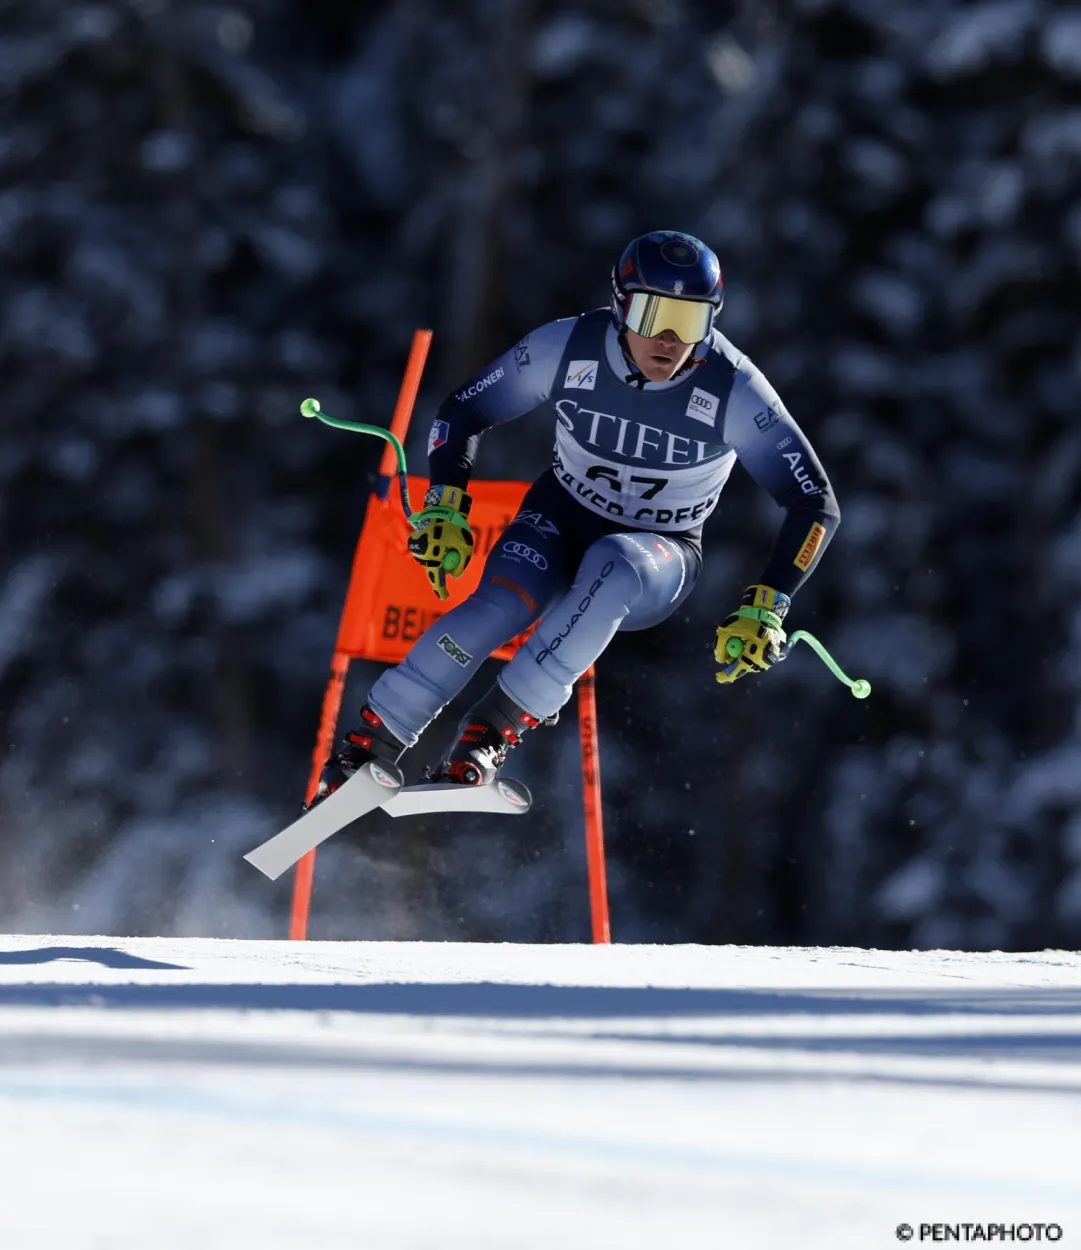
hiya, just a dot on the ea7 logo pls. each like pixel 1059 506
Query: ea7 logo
pixel 538 521
pixel 581 375
pixel 522 552
pixel 458 654
pixel 703 406
pixel 766 420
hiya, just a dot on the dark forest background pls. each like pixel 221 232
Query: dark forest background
pixel 210 211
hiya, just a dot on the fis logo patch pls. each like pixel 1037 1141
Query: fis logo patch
pixel 581 375
pixel 703 406
pixel 458 654
pixel 810 545
pixel 440 432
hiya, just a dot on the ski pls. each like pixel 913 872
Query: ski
pixel 368 788
pixel 501 797
pixel 380 785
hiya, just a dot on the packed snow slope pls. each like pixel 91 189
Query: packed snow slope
pixel 159 1093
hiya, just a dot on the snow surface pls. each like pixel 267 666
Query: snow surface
pixel 160 1093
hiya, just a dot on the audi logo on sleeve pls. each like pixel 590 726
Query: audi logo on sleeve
pixel 521 552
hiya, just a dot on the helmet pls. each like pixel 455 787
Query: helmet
pixel 662 281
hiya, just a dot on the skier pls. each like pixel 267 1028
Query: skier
pixel 652 407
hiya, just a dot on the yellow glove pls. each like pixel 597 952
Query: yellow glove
pixel 441 539
pixel 751 639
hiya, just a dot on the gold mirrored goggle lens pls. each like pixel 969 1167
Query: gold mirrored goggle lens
pixel 689 320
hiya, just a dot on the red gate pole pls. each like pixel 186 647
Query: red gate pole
pixel 332 699
pixel 403 409
pixel 591 783
pixel 324 744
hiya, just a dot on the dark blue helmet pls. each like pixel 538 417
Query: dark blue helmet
pixel 667 263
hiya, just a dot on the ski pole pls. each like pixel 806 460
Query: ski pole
pixel 310 408
pixel 859 686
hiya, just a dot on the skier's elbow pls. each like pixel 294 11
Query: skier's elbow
pixel 822 506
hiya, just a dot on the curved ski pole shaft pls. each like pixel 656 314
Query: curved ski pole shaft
pixel 859 686
pixel 403 494
pixel 310 408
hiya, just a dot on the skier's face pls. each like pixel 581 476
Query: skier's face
pixel 660 356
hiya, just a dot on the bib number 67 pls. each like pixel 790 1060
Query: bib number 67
pixel 601 472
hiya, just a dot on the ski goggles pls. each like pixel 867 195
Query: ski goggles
pixel 647 315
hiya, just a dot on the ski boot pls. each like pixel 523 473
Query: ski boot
pixel 373 741
pixel 485 734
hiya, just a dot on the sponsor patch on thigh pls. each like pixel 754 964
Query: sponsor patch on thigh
pixel 458 654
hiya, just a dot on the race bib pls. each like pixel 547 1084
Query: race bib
pixel 669 498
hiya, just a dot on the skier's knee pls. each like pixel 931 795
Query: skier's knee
pixel 510 604
pixel 617 560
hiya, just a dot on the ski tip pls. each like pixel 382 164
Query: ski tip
pixel 390 776
pixel 515 794
pixel 253 858
pixel 330 815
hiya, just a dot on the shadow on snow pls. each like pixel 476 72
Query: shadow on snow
pixel 548 1005
pixel 512 1001
pixel 107 956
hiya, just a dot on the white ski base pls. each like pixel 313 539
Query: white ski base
pixel 503 797
pixel 363 792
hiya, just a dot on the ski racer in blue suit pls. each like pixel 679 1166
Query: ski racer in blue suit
pixel 651 407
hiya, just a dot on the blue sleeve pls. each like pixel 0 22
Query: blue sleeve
pixel 778 455
pixel 512 385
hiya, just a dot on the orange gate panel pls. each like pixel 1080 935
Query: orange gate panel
pixel 390 601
